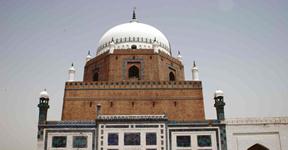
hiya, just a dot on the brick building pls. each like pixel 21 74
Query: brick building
pixel 133 96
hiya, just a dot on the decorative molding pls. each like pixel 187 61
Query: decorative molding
pixel 69 124
pixel 126 98
pixel 132 118
pixel 136 85
pixel 256 121
pixel 124 67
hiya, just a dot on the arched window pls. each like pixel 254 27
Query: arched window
pixel 95 76
pixel 257 147
pixel 133 72
pixel 133 47
pixel 171 76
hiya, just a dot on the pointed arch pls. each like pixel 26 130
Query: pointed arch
pixel 96 76
pixel 257 147
pixel 171 76
pixel 133 72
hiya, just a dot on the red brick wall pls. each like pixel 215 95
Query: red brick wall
pixel 179 100
pixel 155 66
pixel 118 95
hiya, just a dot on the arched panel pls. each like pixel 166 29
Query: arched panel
pixel 257 147
pixel 171 76
pixel 96 76
pixel 133 72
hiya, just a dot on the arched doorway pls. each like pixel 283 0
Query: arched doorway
pixel 171 76
pixel 257 147
pixel 95 76
pixel 133 73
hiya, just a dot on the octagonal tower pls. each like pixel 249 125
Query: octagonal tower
pixel 134 73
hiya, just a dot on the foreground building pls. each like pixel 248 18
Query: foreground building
pixel 133 96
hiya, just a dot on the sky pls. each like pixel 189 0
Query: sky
pixel 240 47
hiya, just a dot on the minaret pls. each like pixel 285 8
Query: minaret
pixel 155 46
pixel 88 57
pixel 111 47
pixel 195 73
pixel 71 73
pixel 219 104
pixel 43 109
pixel 179 57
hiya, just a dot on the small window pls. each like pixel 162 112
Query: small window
pixel 79 141
pixel 95 76
pixel 171 76
pixel 204 140
pixel 183 141
pixel 151 139
pixel 113 139
pixel 133 47
pixel 59 141
pixel 133 72
pixel 131 138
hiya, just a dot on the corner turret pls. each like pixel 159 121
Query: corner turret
pixel 43 109
pixel 219 104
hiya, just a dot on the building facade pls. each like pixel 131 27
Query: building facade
pixel 133 96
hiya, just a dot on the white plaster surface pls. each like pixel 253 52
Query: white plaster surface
pixel 194 134
pixel 70 135
pixel 269 132
pixel 132 129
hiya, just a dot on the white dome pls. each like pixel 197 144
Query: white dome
pixel 133 33
pixel 44 94
pixel 218 93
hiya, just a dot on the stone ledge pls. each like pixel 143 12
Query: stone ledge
pixel 134 84
pixel 255 121
pixel 132 118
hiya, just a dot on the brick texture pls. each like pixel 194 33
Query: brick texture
pixel 118 94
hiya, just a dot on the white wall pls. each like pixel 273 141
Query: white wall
pixel 193 132
pixel 269 132
pixel 104 130
pixel 69 133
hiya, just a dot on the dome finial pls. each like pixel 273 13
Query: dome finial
pixel 134 14
pixel 194 64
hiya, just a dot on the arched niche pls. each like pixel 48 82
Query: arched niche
pixel 96 76
pixel 133 72
pixel 257 147
pixel 172 76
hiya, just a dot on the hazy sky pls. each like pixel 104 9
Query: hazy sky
pixel 239 46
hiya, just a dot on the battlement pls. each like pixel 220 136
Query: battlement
pixel 134 85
